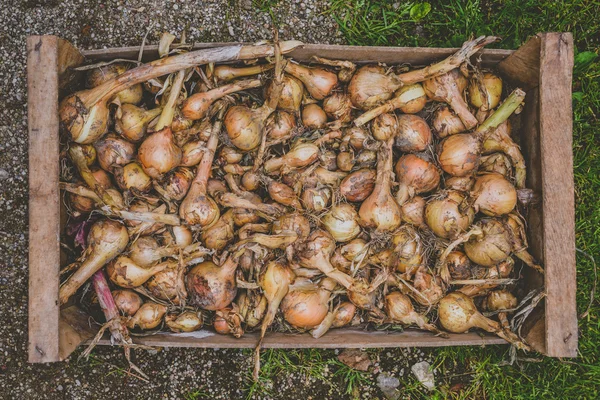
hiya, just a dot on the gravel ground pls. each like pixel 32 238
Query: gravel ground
pixel 174 373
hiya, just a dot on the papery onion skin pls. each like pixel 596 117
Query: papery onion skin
pixel 159 154
pixel 113 151
pixel 493 247
pixel 306 306
pixel 192 153
pixel 177 183
pixel 458 265
pixel 212 287
pixel 342 222
pixel 291 94
pixel 414 98
pixel 494 195
pixel 313 116
pixel 370 86
pixel 338 107
pixel 358 185
pixel 149 316
pixel 316 199
pixel 187 321
pixel 413 134
pixel 134 121
pixel 444 216
pixel 385 126
pixel 165 285
pixel 280 125
pixel 415 176
pixel 132 176
pixel 485 92
pixel 345 161
pixel 318 81
pixel 459 155
pixel 413 211
pixel 446 123
pixel 244 126
pixel 460 183
pixel 127 301
pixel 344 314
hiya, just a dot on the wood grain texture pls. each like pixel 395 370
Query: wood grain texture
pixel 74 328
pixel 44 220
pixel 556 130
pixel 358 54
pixel 335 338
pixel 522 67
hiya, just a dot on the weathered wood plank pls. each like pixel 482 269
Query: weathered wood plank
pixel 556 130
pixel 522 67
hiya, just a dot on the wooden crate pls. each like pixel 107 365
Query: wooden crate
pixel 542 67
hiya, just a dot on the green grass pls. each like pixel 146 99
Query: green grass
pixel 450 23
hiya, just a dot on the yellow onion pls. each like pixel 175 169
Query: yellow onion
pixel 316 199
pixel 413 211
pixel 306 304
pixel 212 287
pixel 366 159
pixel 124 272
pixel 192 153
pixel 458 265
pixel 345 161
pixel 407 250
pixel 228 321
pixel 252 308
pixel 499 140
pixel 428 286
pixel 146 228
pixel 177 183
pixel 328 159
pixel 485 91
pixel 178 236
pixel 187 321
pixel 113 151
pixel 448 215
pixel 158 154
pixel 341 316
pixel 280 125
pixel 228 72
pixel 400 309
pixel 89 154
pixel 492 246
pixel 292 222
pixel 149 316
pixel 230 155
pixel 197 105
pixel 132 176
pixel 220 234
pixel 496 162
pixel 460 183
pixel 371 85
pixel 133 122
pixel 318 81
pixel 81 203
pixel 415 176
pixel 446 123
pixel 241 216
pixel 380 211
pixel 291 94
pixel 354 136
pixel 493 195
pixel 127 301
pixel 180 123
pixel 97 76
pixel 301 155
pixel 385 126
pixel 413 97
pixel 245 125
pixel 145 251
pixel 275 283
pixel 500 300
pixel 413 134
pixel 459 155
pixel 283 194
pixel 341 221
pixel 449 88
pixel 338 107
pixel 251 180
pixel 358 185
pixel 167 284
pixel 313 116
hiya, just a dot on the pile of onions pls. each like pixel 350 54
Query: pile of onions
pixel 306 198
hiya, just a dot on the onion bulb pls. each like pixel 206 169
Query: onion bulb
pixel 409 99
pixel 354 136
pixel 220 234
pixel 313 116
pixel 399 308
pixel 485 91
pixel 446 123
pixel 197 105
pixel 292 223
pixel 280 125
pixel 371 85
pixel 306 304
pixel 228 321
pixel 341 316
pixel 415 176
pixel 385 127
pixel 460 183
pixel 448 215
pixel 187 321
pixel 345 161
pixel 407 254
pixel 458 265
pixel 227 72
pixel 167 284
pixel 145 251
pixel 158 153
pixel 177 236
pixel 192 153
pixel 380 210
pixel 496 162
pixel 491 246
pixel 449 88
pixel 291 94
pixel 251 180
pixel 316 199
pixel 358 185
pixel 106 240
pixel 212 287
pixel 493 195
pixel 413 134
pixel 341 221
pixel 498 300
pixel 459 155
pixel 318 81
pixel 127 301
pixel 177 183
pixel 301 155
pixel 338 107
pixel 133 122
pixel 149 316
pixel 500 140
pixel 97 76
pixel 132 176
pixel 413 211
pixel 113 151
pixel 124 272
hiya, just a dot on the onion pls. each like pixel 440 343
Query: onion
pixel 399 308
pixel 410 99
pixel 196 106
pixel 228 321
pixel 448 215
pixel 458 265
pixel 385 127
pixel 146 228
pixel 113 151
pixel 516 226
pixel 354 136
pixel 345 161
pixel 446 123
pixel 316 199
pixel 133 122
pixel 413 134
pixel 145 251
pixel 220 234
pixel 380 210
pixel 167 284
pixel 291 94
pixel 192 153
pixel 407 247
pixel 106 240
pixel 241 217
pixel 97 76
pixel 187 321
pixel 366 159
pixel 449 88
pixel 227 72
pixel 158 154
pixel 500 271
pixel 458 314
pixel 500 300
pixel 318 81
pixel 212 287
pixel 413 211
pixel 428 288
pixel 342 222
pixel 251 180
pixel 490 247
pixel 458 154
pixel 349 256
pixel 493 195
pixel 81 203
pixel 499 140
pixel 460 183
pixel 338 107
pixel 341 316
pixel 313 116
pixel 485 91
pixel 328 159
pixel 306 304
pixel 178 236
pixel 358 185
pixel 301 155
pixel 252 307
pixel 124 272
pixel 177 183
pixel 498 163
pixel 149 316
pixel 128 302
pixel 89 153
pixel 415 176
pixel 292 223
pixel 230 155
pixel 132 176
pixel 282 193
pixel 280 125
pixel 84 114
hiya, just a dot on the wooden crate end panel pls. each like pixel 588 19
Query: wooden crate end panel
pixel 522 67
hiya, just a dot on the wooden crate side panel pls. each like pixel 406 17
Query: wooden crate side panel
pixel 522 67
pixel 556 140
